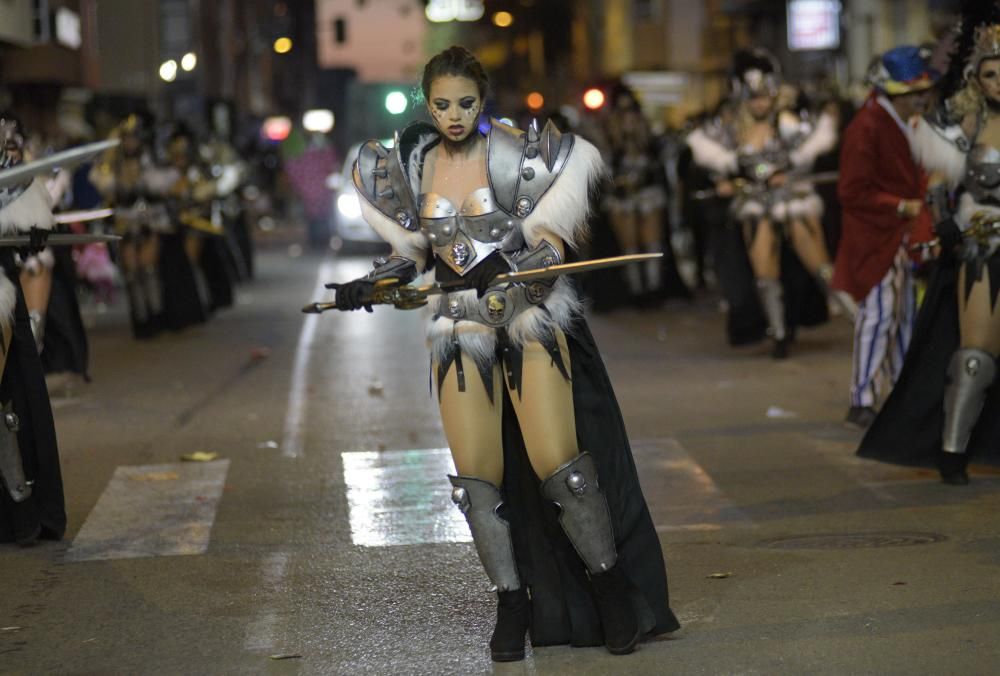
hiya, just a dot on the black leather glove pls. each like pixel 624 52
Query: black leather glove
pixel 351 295
pixel 949 235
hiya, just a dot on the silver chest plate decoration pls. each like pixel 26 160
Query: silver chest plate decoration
pixel 496 308
pixel 464 237
pixel 982 173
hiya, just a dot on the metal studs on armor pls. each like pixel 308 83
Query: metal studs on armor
pixel 432 237
pixel 523 207
pixel 387 194
pixel 461 499
pixel 459 254
pixel 379 262
pixel 577 483
pixel 12 422
pixel 380 172
pixel 531 152
pixel 455 309
pixel 404 218
pixel 527 173
pixel 535 292
pixel 494 233
pixel 972 365
pixel 446 230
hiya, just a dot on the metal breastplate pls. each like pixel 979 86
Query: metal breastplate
pixel 465 236
pixel 982 173
pixel 760 165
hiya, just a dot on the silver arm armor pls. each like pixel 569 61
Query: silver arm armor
pixel 539 158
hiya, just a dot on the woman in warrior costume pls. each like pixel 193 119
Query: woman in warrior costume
pixel 637 203
pixel 31 491
pixel 761 153
pixel 526 404
pixel 934 414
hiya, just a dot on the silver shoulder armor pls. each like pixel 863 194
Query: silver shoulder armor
pixel 381 180
pixel 522 166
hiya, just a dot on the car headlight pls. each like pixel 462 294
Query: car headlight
pixel 349 206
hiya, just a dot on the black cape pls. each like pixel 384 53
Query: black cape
pixel 182 306
pixel 805 303
pixel 907 430
pixel 23 383
pixel 563 609
pixel 65 344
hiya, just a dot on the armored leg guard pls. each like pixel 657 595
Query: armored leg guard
pixel 37 320
pixel 772 301
pixel 970 374
pixel 480 501
pixel 11 468
pixel 587 522
pixel 152 290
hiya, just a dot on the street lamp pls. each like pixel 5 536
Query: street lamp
pixel 503 19
pixel 283 45
pixel 535 101
pixel 593 98
pixel 396 102
pixel 189 61
pixel 318 121
pixel 168 71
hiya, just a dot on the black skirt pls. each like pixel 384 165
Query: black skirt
pixel 907 430
pixel 23 385
pixel 182 306
pixel 563 609
pixel 65 346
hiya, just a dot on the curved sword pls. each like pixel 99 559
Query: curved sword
pixel 404 297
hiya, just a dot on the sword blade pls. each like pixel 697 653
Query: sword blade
pixel 573 268
pixel 28 170
pixel 84 216
pixel 59 239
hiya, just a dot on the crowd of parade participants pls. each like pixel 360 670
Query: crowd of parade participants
pixel 182 243
pixel 793 209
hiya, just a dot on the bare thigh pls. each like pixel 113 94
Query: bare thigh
pixel 763 249
pixel 809 244
pixel 545 409
pixel 979 322
pixel 472 423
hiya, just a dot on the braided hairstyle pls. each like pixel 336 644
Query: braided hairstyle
pixel 457 61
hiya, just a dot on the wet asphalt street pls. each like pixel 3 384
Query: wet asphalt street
pixel 322 533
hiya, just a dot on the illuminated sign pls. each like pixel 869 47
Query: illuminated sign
pixel 813 24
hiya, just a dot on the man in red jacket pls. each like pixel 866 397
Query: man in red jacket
pixel 881 191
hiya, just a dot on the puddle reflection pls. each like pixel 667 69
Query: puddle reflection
pixel 402 498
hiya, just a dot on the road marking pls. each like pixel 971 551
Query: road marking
pixel 261 632
pixel 402 498
pixel 153 510
pixel 295 418
pixel 684 497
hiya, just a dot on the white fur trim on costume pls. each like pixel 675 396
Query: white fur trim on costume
pixel 564 208
pixel 407 243
pixel 821 140
pixel 8 299
pixel 479 341
pixel 799 207
pixel 711 154
pixel 31 209
pixel 748 209
pixel 36 262
pixel 937 153
pixel 969 207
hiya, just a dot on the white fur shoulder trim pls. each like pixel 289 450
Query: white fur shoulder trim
pixel 564 208
pixel 937 151
pixel 31 209
pixel 710 154
pixel 822 139
pixel 407 243
pixel 8 299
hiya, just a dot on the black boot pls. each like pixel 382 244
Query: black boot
pixel 952 467
pixel 618 618
pixel 513 619
pixel 780 349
